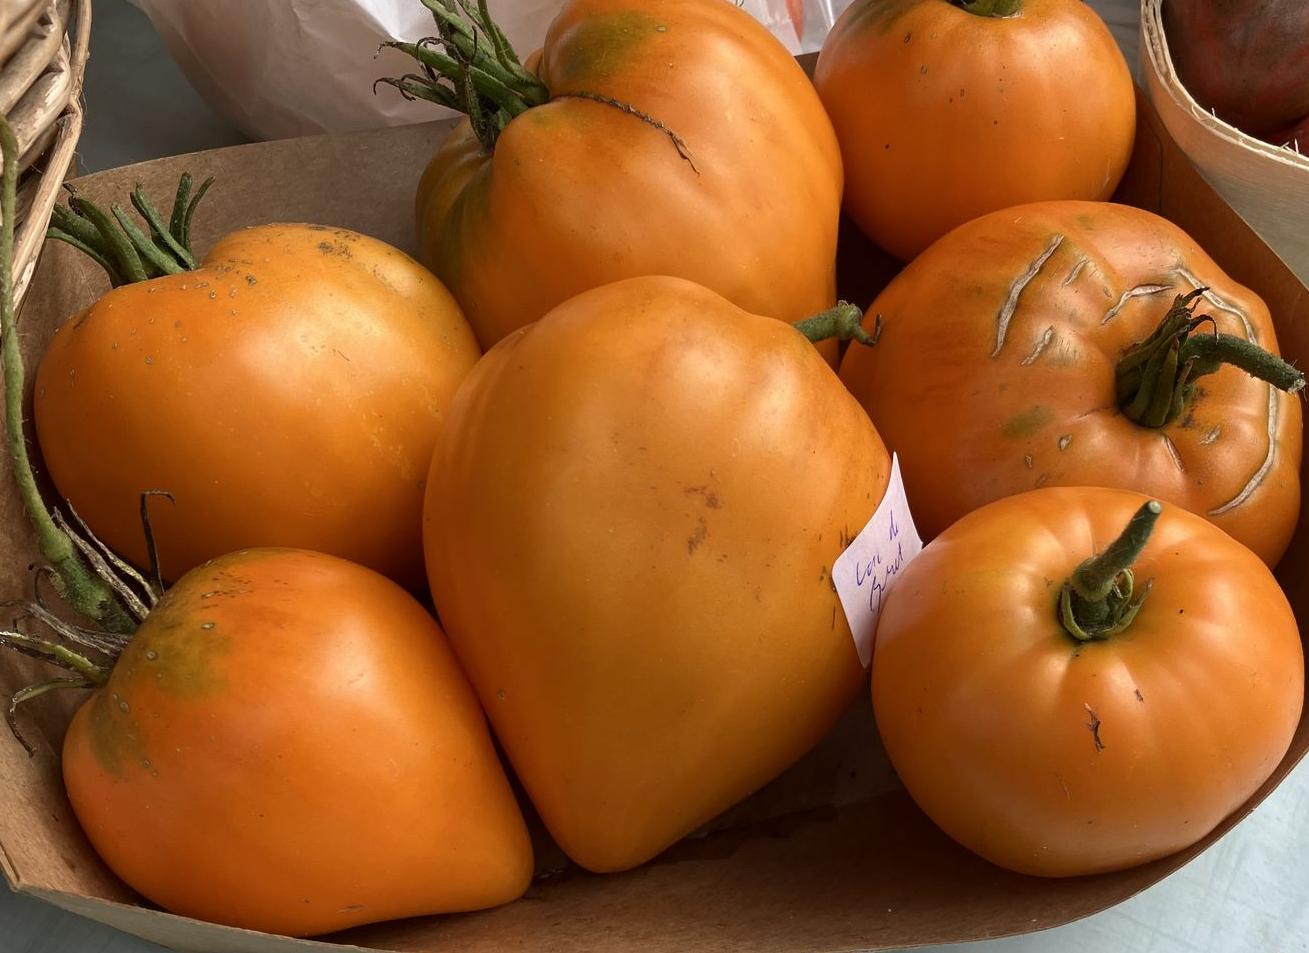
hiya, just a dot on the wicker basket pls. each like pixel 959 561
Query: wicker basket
pixel 1268 186
pixel 43 52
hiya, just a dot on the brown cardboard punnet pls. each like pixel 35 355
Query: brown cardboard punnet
pixel 831 857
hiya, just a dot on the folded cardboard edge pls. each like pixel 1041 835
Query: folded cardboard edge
pixel 179 933
pixel 8 869
pixel 600 913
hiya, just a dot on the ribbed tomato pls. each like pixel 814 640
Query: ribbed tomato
pixel 1083 344
pixel 677 138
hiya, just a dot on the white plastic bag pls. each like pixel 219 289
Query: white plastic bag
pixel 281 68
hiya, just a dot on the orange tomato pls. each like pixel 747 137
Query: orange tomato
pixel 288 745
pixel 1057 757
pixel 287 393
pixel 997 371
pixel 631 520
pixel 732 179
pixel 948 109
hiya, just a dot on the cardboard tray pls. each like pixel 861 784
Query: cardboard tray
pixel 831 857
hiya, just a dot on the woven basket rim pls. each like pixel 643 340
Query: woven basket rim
pixel 1158 56
pixel 19 26
pixel 47 115
pixel 33 57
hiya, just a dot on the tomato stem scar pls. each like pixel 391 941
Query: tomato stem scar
pixel 678 142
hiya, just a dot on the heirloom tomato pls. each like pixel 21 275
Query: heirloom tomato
pixel 631 521
pixel 1067 686
pixel 287 744
pixel 1083 344
pixel 948 109
pixel 286 391
pixel 671 138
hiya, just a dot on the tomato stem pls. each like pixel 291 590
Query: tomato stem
pixel 471 67
pixel 73 579
pixel 489 82
pixel 155 586
pixel 118 244
pixel 36 691
pixel 83 571
pixel 843 322
pixel 1155 379
pixel 184 206
pixel 990 8
pixel 56 654
pixel 1098 599
pixel 86 673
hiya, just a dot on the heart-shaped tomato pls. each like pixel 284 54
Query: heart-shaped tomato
pixel 288 745
pixel 631 521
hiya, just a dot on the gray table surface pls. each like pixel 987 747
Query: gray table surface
pixel 1247 894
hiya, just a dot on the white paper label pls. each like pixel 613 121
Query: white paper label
pixel 870 565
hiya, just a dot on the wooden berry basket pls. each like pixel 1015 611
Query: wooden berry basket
pixel 43 53
pixel 1267 185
